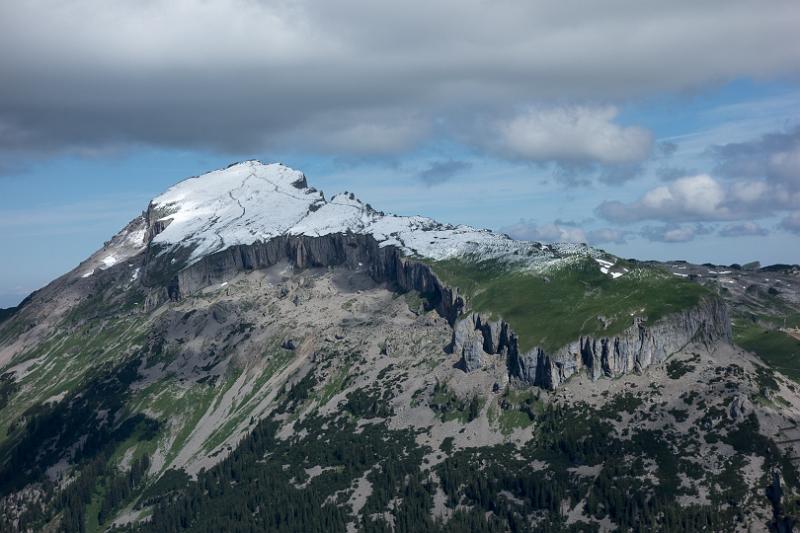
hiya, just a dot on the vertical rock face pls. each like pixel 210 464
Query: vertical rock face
pixel 468 343
pixel 475 337
pixel 354 251
pixel 475 340
pixel 633 350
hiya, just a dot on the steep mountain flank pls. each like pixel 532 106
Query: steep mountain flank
pixel 248 355
pixel 404 252
pixel 636 348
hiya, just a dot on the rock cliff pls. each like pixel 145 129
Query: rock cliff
pixel 385 264
pixel 642 344
pixel 205 230
pixel 475 338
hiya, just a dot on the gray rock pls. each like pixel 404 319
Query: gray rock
pixel 636 348
pixel 472 356
pixel 387 347
pixel 385 264
pixel 220 312
pixel 288 344
pixel 475 337
pixel 740 407
pixel 633 350
pixel 468 342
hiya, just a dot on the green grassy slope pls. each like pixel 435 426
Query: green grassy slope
pixel 776 348
pixel 758 319
pixel 555 308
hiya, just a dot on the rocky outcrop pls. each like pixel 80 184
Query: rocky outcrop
pixel 156 223
pixel 385 264
pixel 468 343
pixel 633 350
pixel 740 407
pixel 475 337
pixel 781 523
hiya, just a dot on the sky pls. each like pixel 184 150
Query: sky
pixel 654 130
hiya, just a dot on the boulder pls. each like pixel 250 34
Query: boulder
pixel 740 407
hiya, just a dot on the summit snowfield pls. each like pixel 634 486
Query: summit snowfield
pixel 252 202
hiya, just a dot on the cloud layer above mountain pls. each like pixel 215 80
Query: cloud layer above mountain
pixel 369 78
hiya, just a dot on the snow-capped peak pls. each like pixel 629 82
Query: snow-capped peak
pixel 241 204
pixel 251 201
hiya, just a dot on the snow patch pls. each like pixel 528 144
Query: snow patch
pixel 129 242
pixel 254 202
pixel 605 268
pixel 604 263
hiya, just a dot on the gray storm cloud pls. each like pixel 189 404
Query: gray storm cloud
pixel 774 157
pixel 366 77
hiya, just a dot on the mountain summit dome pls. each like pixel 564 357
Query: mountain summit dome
pixel 252 202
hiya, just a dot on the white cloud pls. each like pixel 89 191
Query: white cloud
pixel 573 134
pixel 530 231
pixel 750 191
pixel 680 234
pixel 699 197
pixel 383 135
pixel 702 198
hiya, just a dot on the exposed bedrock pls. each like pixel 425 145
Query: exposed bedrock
pixel 633 350
pixel 475 338
pixel 355 251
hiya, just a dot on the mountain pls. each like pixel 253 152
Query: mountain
pixel 248 355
